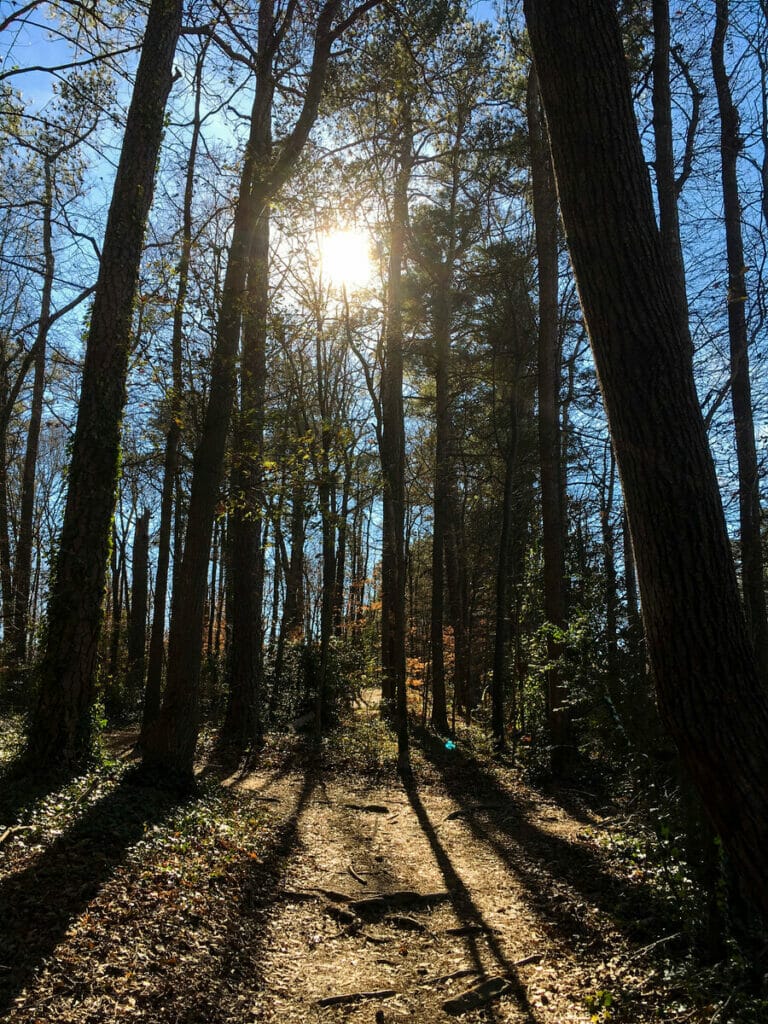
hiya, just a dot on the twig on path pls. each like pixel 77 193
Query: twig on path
pixel 14 830
pixel 653 945
pixel 356 997
pixel 355 875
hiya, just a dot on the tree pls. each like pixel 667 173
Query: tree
pixel 173 436
pixel 553 532
pixel 752 581
pixel 710 694
pixel 170 746
pixel 60 731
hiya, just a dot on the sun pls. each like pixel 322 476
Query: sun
pixel 345 258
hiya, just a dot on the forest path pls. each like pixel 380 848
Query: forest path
pixel 524 897
pixel 245 903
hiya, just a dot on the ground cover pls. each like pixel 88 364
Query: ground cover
pixel 315 885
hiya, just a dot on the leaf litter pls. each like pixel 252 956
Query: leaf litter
pixel 233 907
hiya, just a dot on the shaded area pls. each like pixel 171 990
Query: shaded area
pixel 38 904
pixel 536 856
pixel 239 960
pixel 465 908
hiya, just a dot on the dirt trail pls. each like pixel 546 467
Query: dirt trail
pixel 519 877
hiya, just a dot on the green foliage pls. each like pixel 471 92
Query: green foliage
pixel 599 1006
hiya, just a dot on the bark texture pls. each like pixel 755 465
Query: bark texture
pixel 710 694
pixel 60 728
pixel 552 520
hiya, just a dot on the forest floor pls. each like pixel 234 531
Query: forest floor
pixel 320 887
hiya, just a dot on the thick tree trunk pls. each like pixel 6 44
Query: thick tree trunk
pixel 710 694
pixel 60 730
pixel 553 531
pixel 242 724
pixel 752 581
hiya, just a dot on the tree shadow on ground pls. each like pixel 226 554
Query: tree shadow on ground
pixel 466 909
pixel 561 876
pixel 21 790
pixel 39 903
pixel 236 963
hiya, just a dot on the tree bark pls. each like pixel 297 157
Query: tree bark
pixel 137 626
pixel 501 637
pixel 752 582
pixel 710 693
pixel 441 501
pixel 173 437
pixel 60 730
pixel 553 531
pixel 22 571
pixel 242 724
pixel 393 563
pixel 666 187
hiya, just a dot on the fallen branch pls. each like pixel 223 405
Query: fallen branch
pixel 653 945
pixel 368 808
pixel 356 997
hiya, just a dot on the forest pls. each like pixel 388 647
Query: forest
pixel 383 626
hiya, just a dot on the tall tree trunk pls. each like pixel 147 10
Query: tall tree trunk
pixel 752 581
pixel 501 637
pixel 609 575
pixel 242 724
pixel 137 626
pixel 545 217
pixel 23 562
pixel 710 693
pixel 441 501
pixel 116 566
pixel 666 187
pixel 6 577
pixel 60 729
pixel 341 549
pixel 393 570
pixel 173 437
